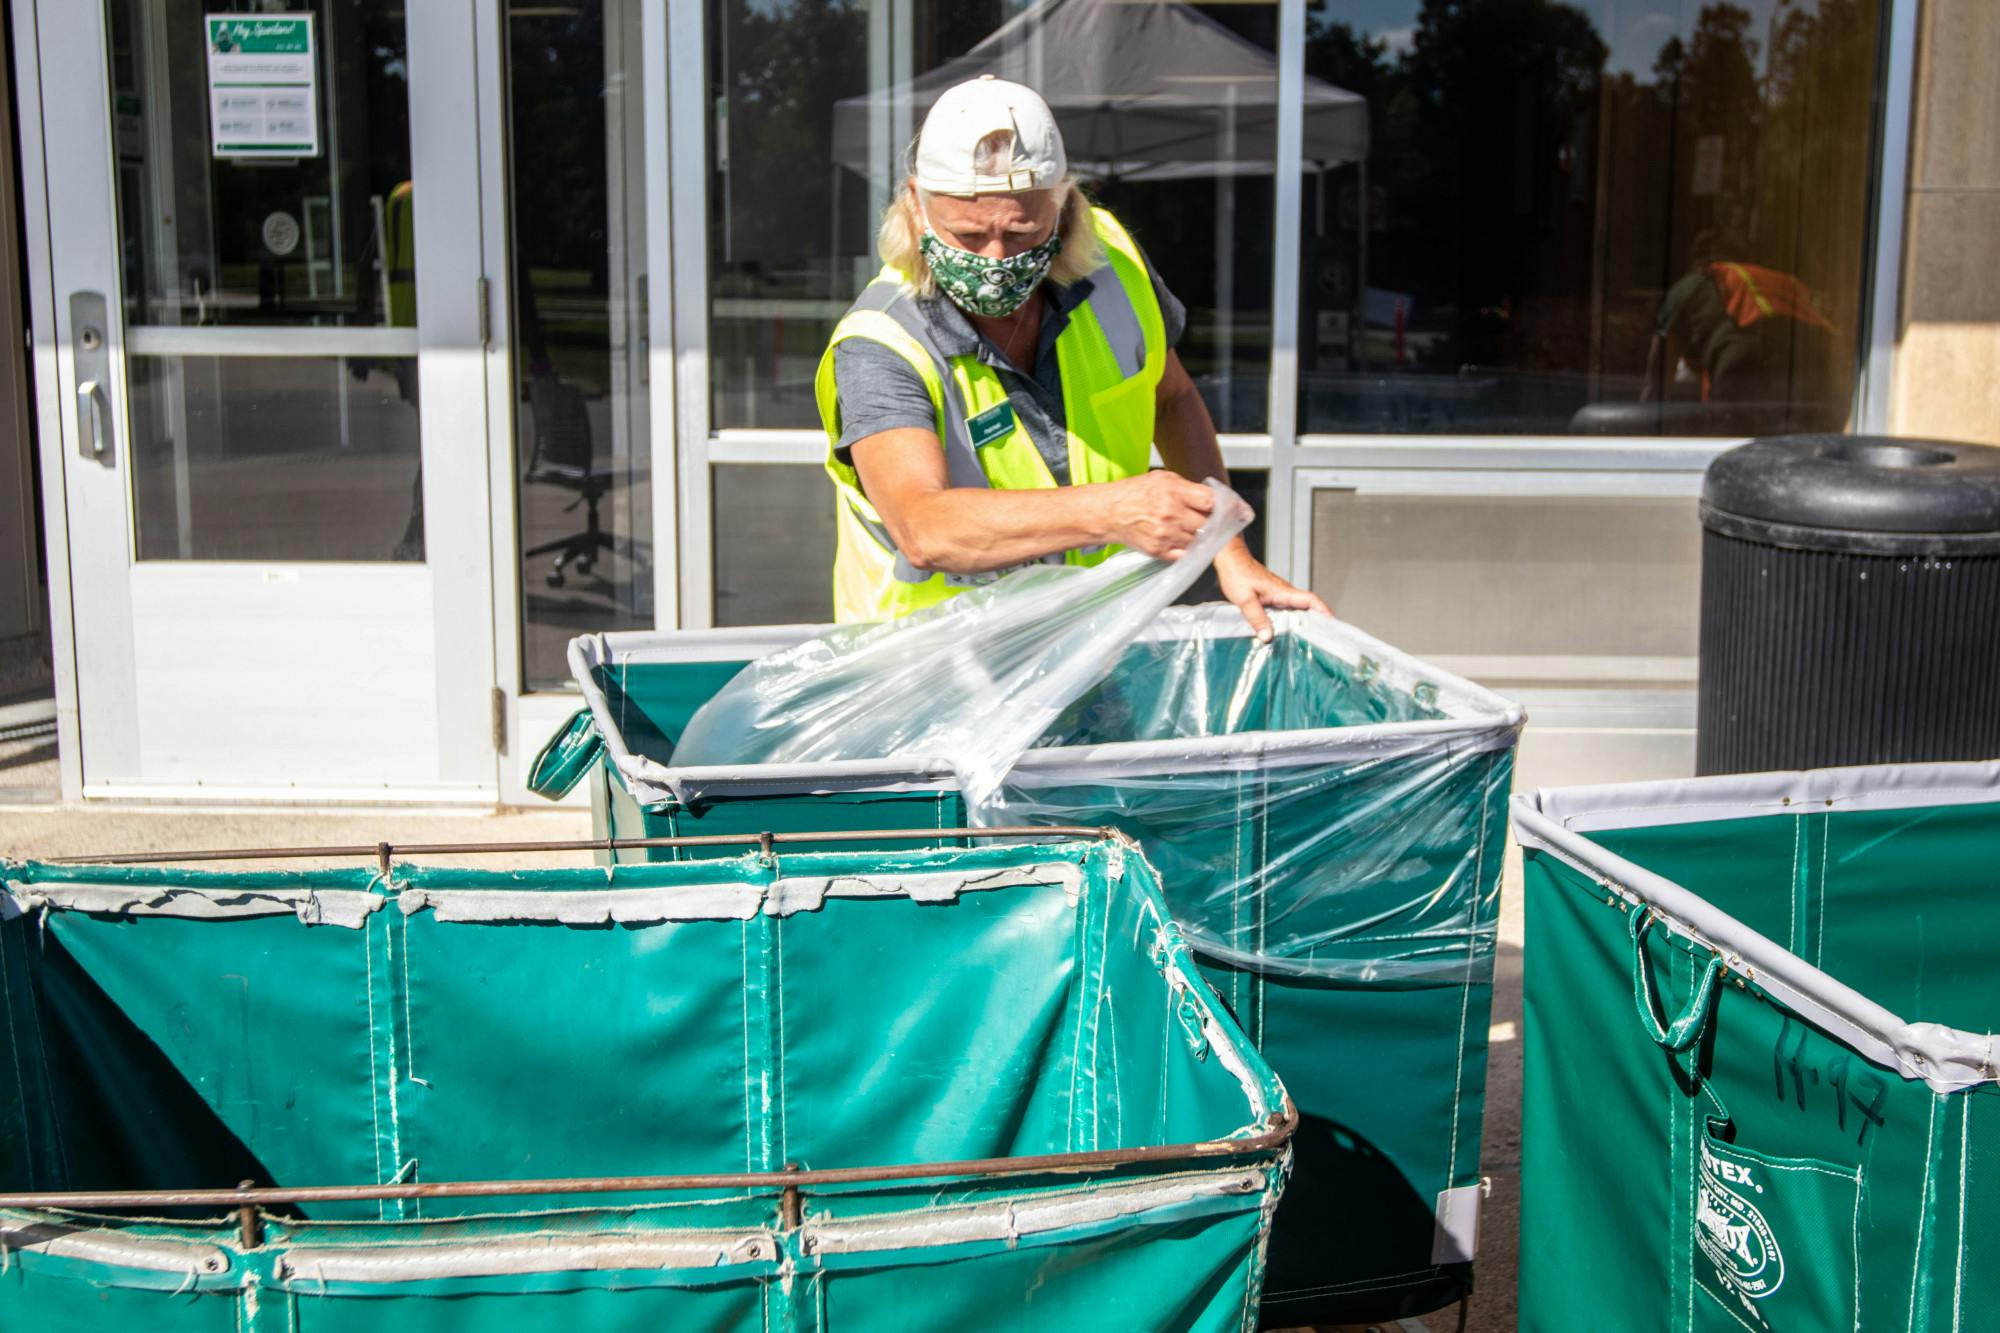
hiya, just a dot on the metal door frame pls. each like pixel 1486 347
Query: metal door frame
pixel 529 717
pixel 84 503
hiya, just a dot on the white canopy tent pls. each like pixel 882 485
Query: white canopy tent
pixel 1143 90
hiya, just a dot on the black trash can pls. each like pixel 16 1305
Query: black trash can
pixel 1850 604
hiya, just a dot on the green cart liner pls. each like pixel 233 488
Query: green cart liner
pixel 1042 1155
pixel 1758 1042
pixel 1327 815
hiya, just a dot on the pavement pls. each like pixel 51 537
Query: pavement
pixel 32 826
pixel 27 739
pixel 44 831
pixel 1492 1308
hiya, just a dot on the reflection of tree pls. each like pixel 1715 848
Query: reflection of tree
pixel 562 273
pixel 779 69
pixel 1815 151
pixel 1510 82
pixel 1710 85
pixel 1346 59
pixel 1796 160
pixel 1479 119
pixel 1716 71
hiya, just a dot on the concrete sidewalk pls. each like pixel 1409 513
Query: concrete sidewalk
pixel 43 831
pixel 28 773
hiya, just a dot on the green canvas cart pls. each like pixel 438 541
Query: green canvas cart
pixel 1327 815
pixel 771 1091
pixel 1760 1071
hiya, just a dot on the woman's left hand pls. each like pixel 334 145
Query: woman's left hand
pixel 1251 587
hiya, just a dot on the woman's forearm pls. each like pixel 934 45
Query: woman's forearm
pixel 963 530
pixel 1185 434
pixel 974 530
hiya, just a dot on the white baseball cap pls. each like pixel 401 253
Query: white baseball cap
pixel 966 114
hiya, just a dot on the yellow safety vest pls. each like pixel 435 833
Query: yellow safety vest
pixel 1111 354
pixel 399 256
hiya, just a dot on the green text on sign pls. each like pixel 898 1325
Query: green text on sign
pixel 260 36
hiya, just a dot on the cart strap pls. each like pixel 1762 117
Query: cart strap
pixel 570 754
pixel 1684 1031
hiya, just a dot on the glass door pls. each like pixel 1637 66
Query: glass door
pixel 269 313
pixel 579 314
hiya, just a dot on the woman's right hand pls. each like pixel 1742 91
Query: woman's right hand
pixel 1158 513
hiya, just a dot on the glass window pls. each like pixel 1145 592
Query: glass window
pixel 1518 589
pixel 242 455
pixel 814 104
pixel 1605 217
pixel 212 239
pixel 583 443
pixel 773 545
pixel 790 228
pixel 276 458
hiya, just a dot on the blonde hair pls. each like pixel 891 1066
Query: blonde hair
pixel 896 241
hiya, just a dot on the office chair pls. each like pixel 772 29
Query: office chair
pixel 563 456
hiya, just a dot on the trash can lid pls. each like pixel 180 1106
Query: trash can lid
pixel 1860 493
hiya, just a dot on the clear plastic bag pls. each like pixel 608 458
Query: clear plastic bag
pixel 968 685
pixel 1311 814
pixel 1319 806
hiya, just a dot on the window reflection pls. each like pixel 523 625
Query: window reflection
pixel 1168 111
pixel 1550 187
pixel 218 240
pixel 275 458
pixel 243 455
pixel 577 182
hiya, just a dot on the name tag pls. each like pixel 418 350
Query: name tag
pixel 994 423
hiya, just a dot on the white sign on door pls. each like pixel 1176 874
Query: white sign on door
pixel 263 94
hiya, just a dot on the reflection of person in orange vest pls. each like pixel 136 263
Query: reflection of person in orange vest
pixel 1750 333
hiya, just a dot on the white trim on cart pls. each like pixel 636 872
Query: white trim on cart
pixel 1471 717
pixel 1556 822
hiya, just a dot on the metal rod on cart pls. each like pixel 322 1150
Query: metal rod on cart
pixel 788 1181
pixel 382 851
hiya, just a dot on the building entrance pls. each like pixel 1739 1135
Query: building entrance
pixel 265 289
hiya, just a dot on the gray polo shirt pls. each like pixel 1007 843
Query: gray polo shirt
pixel 878 390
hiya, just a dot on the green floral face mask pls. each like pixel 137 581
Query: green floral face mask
pixel 995 288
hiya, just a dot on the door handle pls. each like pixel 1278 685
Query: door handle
pixel 88 316
pixel 92 442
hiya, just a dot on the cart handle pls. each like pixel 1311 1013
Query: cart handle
pixel 568 757
pixel 1684 1031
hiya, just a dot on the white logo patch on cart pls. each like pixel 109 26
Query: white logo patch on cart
pixel 1730 1228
